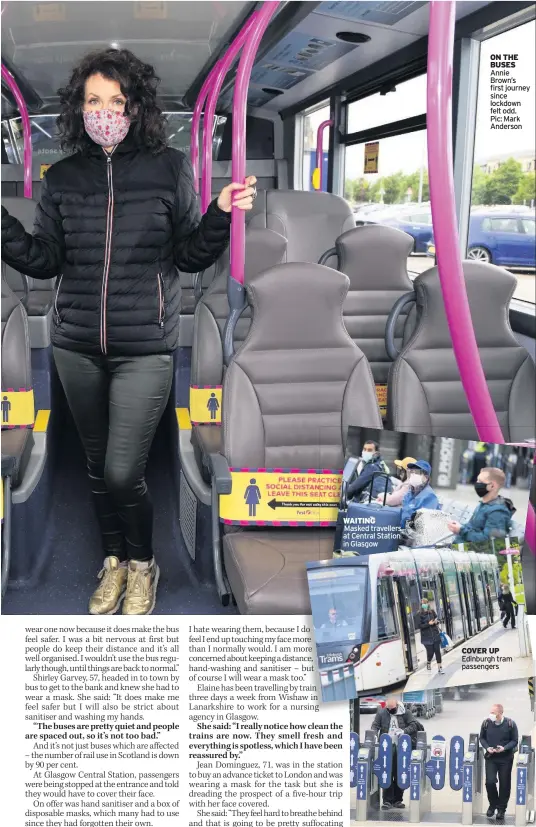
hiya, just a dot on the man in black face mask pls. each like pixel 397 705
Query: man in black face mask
pixel 493 515
pixel 395 720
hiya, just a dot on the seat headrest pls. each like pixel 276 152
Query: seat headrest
pixel 264 249
pixel 310 221
pixel 489 290
pixel 297 305
pixel 9 302
pixel 375 257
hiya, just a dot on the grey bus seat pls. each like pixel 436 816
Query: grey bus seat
pixel 41 292
pixel 16 373
pixel 289 395
pixel 310 222
pixel 375 260
pixel 264 249
pixel 425 393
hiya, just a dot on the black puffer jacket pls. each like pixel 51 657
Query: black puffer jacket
pixel 114 229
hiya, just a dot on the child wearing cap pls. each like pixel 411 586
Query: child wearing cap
pixel 420 493
pixel 395 499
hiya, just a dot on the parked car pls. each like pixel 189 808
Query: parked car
pixel 415 221
pixel 504 238
pixel 371 703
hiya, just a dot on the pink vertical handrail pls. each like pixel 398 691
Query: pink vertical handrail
pixel 440 172
pixel 196 118
pixel 235 284
pixel 26 129
pixel 238 217
pixel 217 77
pixel 319 150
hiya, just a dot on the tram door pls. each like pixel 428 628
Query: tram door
pixel 487 589
pixel 475 600
pixel 466 602
pixel 447 611
pixel 405 620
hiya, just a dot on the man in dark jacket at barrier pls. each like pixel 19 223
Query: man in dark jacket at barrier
pixel 371 463
pixel 493 515
pixel 499 738
pixel 395 720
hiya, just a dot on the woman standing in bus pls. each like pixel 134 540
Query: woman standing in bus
pixel 430 635
pixel 116 217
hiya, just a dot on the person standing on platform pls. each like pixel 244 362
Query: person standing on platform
pixel 499 738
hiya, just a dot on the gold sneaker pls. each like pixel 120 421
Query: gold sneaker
pixel 141 587
pixel 106 599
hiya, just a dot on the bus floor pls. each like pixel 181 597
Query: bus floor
pixel 492 655
pixel 73 555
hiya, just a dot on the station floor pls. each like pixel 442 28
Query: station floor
pixel 457 672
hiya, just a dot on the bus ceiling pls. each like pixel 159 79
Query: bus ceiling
pixel 309 49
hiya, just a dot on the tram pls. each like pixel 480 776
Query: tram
pixel 337 293
pixel 377 600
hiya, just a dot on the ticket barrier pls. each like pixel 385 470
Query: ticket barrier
pixel 473 780
pixel 365 781
pixel 419 781
pixel 523 783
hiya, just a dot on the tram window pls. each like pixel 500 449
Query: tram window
pixel 480 594
pixel 311 122
pixel 503 170
pixel 415 600
pixel 338 604
pixel 386 611
pixel 455 603
pixel 397 194
pixel 405 101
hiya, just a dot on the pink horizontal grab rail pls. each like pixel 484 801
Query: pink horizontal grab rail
pixel 217 77
pixel 26 129
pixel 319 151
pixel 440 172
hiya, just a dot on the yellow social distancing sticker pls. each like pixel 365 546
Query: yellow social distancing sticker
pixel 205 404
pixel 381 396
pixel 17 408
pixel 281 497
pixel 372 154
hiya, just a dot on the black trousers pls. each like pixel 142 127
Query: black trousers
pixel 117 403
pixel 394 793
pixel 509 615
pixel 432 649
pixel 500 767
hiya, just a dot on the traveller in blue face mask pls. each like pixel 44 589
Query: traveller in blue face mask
pixel 371 463
pixel 420 494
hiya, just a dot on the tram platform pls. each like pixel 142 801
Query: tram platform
pixel 495 654
pixel 437 819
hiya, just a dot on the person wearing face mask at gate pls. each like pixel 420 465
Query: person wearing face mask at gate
pixel 117 218
pixel 493 515
pixel 499 738
pixel 420 493
pixel 395 720
pixel 370 463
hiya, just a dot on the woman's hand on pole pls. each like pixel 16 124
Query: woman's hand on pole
pixel 238 195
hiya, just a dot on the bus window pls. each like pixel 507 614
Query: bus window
pixel 387 627
pixel 338 598
pixel 503 187
pixel 307 151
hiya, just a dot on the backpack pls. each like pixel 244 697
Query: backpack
pixel 510 723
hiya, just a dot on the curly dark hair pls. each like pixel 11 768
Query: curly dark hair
pixel 138 82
